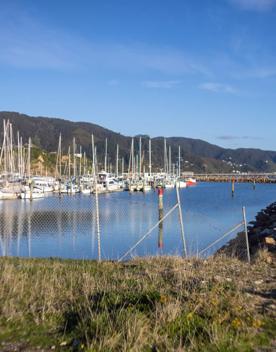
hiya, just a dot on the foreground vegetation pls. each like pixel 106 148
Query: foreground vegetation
pixel 159 304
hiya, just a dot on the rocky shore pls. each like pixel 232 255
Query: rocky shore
pixel 261 235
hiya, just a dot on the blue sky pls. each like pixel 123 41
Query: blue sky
pixel 194 68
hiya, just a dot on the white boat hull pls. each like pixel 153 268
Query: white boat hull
pixel 146 188
pixel 34 195
pixel 181 184
pixel 8 195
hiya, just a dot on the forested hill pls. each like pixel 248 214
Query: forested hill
pixel 198 155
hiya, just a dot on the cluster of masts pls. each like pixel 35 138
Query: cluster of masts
pixel 76 162
pixel 14 159
pixel 75 172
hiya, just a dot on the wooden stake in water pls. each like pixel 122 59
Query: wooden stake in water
pixel 160 216
pixel 233 186
pixel 254 184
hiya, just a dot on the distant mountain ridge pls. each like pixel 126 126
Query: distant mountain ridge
pixel 197 155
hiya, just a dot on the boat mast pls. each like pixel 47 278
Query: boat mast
pixel 123 161
pixel 80 160
pixel 18 153
pixel 165 155
pixel 179 158
pixel 140 156
pixel 117 161
pixel 131 158
pixel 150 157
pixel 29 159
pixel 93 156
pixel 105 156
pixel 11 150
pixel 21 157
pixel 58 161
pixel 74 156
pixel 170 160
pixel 84 163
pixel 69 163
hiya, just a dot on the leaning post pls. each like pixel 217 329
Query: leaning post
pixel 246 234
pixel 181 222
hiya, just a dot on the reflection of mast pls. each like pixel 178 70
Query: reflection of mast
pixel 2 237
pixel 74 228
pixel 59 214
pixel 160 216
pixel 94 152
pixel 30 230
pixel 20 219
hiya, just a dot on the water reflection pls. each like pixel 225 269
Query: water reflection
pixel 66 227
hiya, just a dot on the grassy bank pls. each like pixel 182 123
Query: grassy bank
pixel 161 304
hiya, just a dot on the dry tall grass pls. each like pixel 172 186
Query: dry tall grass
pixel 154 304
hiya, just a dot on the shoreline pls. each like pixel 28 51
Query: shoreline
pixel 261 236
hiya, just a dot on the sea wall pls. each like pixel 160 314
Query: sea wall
pixel 261 235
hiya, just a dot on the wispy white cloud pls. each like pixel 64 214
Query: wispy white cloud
pixel 218 87
pixel 27 43
pixel 254 5
pixel 232 137
pixel 161 84
pixel 262 72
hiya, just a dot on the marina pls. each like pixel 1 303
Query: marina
pixel 82 207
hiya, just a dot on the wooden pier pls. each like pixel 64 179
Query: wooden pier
pixel 240 178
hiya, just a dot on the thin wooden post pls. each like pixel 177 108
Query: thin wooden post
pixel 246 234
pixel 181 223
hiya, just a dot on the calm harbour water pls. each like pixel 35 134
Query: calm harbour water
pixel 65 227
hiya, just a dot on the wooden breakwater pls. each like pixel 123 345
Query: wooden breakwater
pixel 248 178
